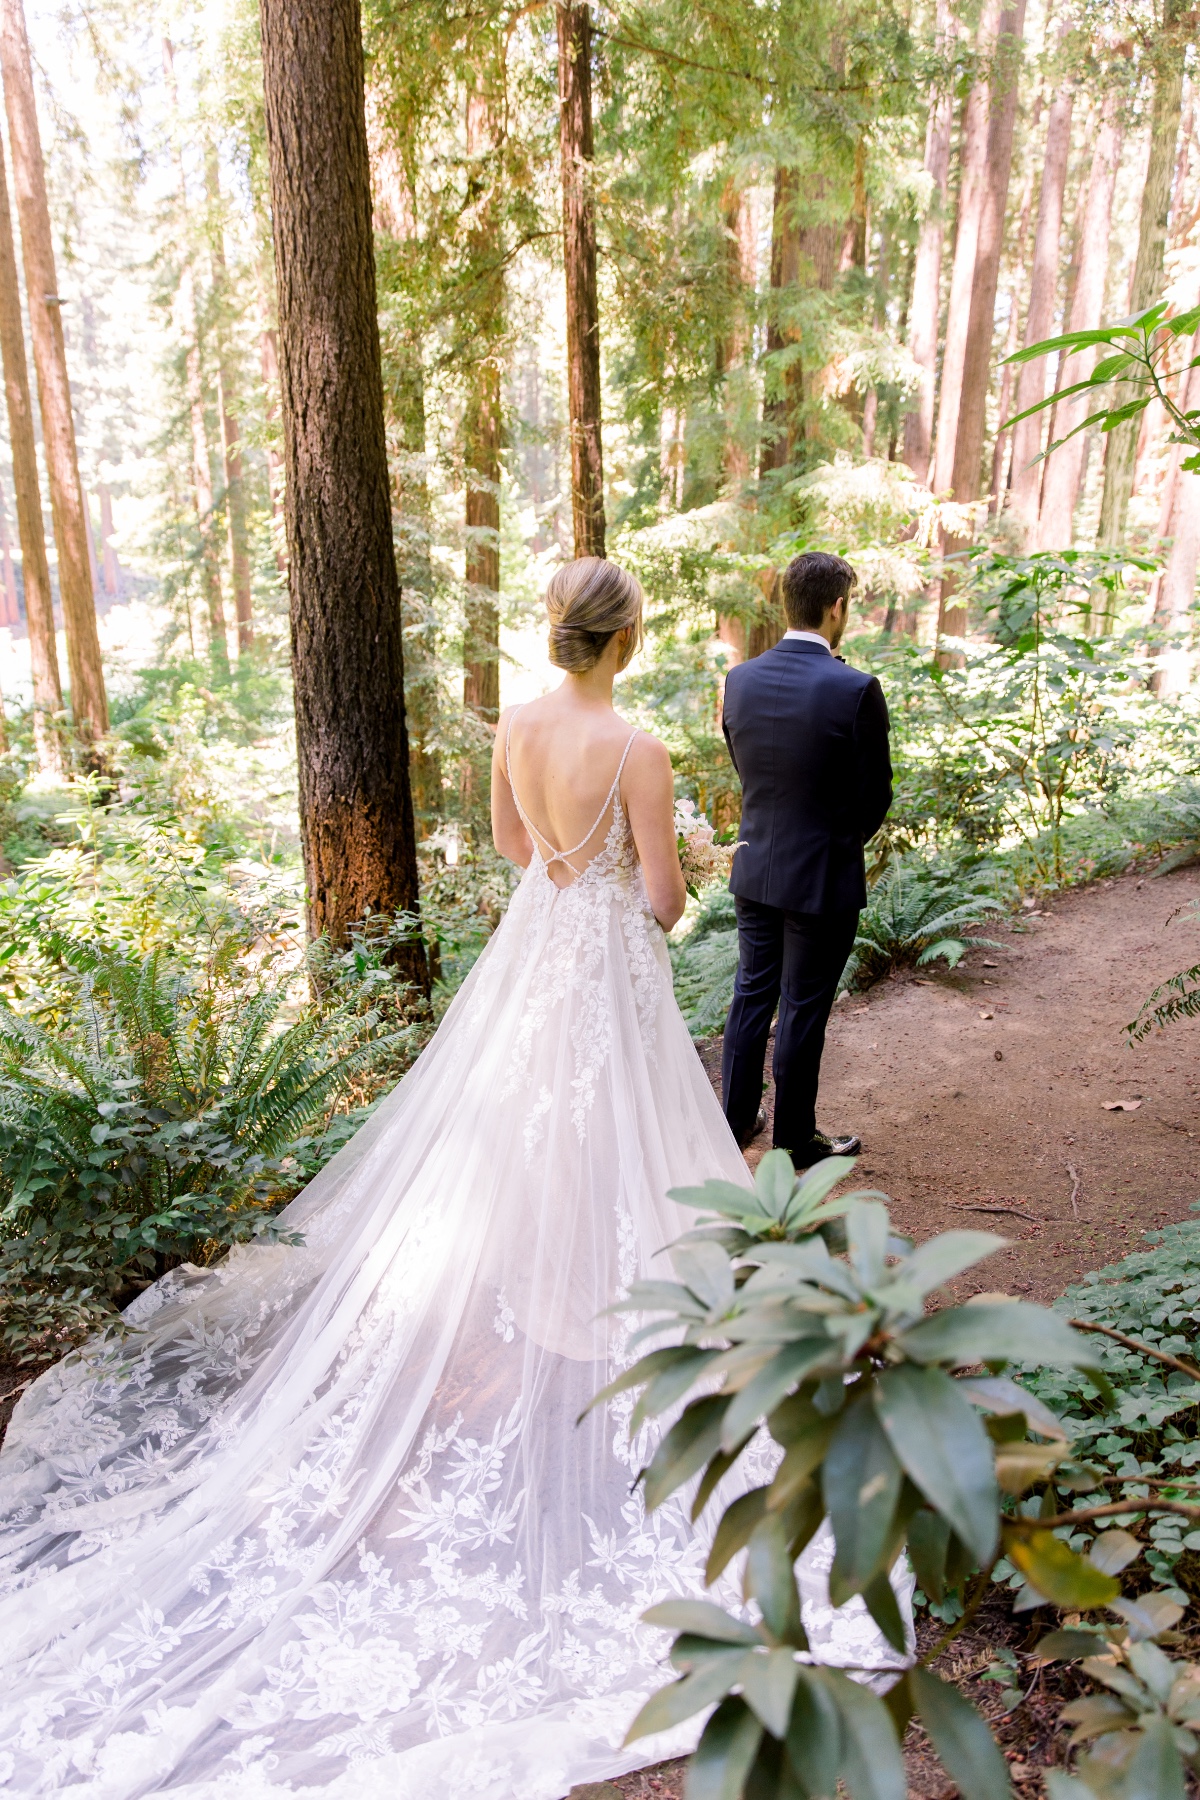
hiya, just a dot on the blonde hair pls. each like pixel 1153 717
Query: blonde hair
pixel 587 602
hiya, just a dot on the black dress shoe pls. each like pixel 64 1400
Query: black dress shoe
pixel 760 1125
pixel 821 1146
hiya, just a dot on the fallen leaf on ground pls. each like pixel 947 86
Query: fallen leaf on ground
pixel 1120 1105
pixel 987 1015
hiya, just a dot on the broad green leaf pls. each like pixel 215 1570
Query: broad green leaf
pixel 645 1370
pixel 682 1699
pixel 702 1619
pixel 769 1684
pixel 718 1467
pixel 1155 1771
pixel 880 1598
pixel 771 1579
pixel 1058 1574
pixel 720 1197
pixel 928 1541
pixel 814 1737
pixel 737 1522
pixel 999 1394
pixel 872 1766
pixel 765 1390
pixel 705 1270
pixel 867 1231
pixel 725 1753
pixel 1066 1787
pixel 965 1746
pixel 693 1438
pixel 861 1481
pixel 774 1180
pixel 1007 1331
pixel 940 1259
pixel 1148 1615
pixel 1114 1551
pixel 1020 1466
pixel 1068 1645
pixel 1150 1665
pixel 941 1443
pixel 819 1181
pixel 804 1455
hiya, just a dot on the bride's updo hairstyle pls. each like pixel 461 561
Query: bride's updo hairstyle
pixel 587 602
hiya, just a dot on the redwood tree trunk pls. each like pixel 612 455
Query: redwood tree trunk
pixel 481 432
pixel 781 409
pixel 579 258
pixel 12 610
pixel 356 813
pixel 1031 383
pixel 966 479
pixel 89 704
pixel 972 185
pixel 35 571
pixel 1064 469
pixel 925 306
pixel 1147 284
pixel 231 437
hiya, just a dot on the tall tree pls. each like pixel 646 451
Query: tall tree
pixel 1025 495
pixel 231 434
pixel 1147 282
pixel 1179 520
pixel 579 258
pixel 12 609
pixel 356 811
pixel 1064 470
pixel 782 405
pixel 925 305
pixel 966 478
pixel 35 570
pixel 89 703
pixel 972 187
pixel 737 220
pixel 481 423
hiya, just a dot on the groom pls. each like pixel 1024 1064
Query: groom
pixel 809 739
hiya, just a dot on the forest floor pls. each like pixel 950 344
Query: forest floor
pixel 980 1094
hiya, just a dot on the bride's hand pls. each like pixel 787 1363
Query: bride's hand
pixel 648 795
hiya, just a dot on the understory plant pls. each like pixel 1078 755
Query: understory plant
pixel 1176 998
pixel 907 1431
pixel 158 1112
pixel 916 915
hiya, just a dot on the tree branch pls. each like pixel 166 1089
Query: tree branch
pixel 1130 1343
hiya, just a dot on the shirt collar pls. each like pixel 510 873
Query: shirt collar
pixel 811 637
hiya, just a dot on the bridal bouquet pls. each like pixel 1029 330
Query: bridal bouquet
pixel 701 858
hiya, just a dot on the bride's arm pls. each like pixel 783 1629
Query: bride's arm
pixel 648 794
pixel 508 834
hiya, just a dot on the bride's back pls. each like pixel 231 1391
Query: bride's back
pixel 563 757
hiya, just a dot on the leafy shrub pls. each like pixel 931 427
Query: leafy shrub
pixel 915 915
pixel 1177 998
pixel 705 963
pixel 874 1420
pixel 154 1116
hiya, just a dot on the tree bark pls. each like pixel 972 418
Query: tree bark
pixel 972 184
pixel 579 258
pixel 966 479
pixel 231 436
pixel 202 481
pixel 35 570
pixel 481 426
pixel 89 704
pixel 1147 283
pixel 356 810
pixel 926 303
pixel 1031 383
pixel 268 349
pixel 1179 520
pixel 740 270
pixel 781 409
pixel 1064 468
pixel 111 562
pixel 12 610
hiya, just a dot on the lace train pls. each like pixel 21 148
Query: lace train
pixel 322 1523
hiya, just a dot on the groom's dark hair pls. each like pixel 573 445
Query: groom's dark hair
pixel 812 584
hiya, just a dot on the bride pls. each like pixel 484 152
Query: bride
pixel 321 1522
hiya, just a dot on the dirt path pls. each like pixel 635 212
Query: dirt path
pixel 985 1087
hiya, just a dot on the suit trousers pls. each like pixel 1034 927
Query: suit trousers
pixel 792 960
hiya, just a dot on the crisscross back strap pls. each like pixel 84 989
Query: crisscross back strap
pixel 561 856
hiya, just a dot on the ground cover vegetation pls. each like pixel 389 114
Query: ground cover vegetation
pixel 701 286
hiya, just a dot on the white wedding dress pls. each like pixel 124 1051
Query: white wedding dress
pixel 322 1522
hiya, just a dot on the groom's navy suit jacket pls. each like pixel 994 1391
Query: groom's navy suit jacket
pixel 809 739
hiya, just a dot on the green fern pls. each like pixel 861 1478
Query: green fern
pixel 912 918
pixel 1177 998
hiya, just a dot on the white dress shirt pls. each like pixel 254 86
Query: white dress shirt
pixel 812 637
